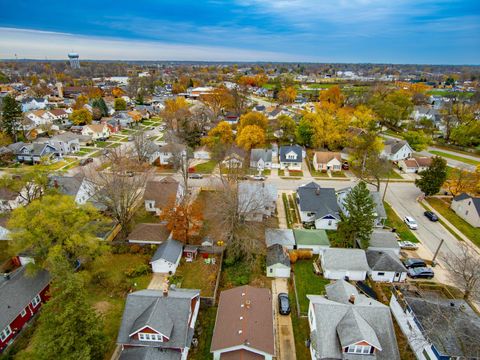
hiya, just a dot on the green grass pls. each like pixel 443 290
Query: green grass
pixel 268 86
pixel 113 145
pixel 292 208
pixel 468 230
pixel 101 144
pixel 448 92
pixel 455 157
pixel 394 175
pixel 3 251
pixel 187 275
pixel 204 327
pixel 206 167
pixel 87 150
pixel 339 174
pixel 288 214
pixel 301 329
pixel 395 222
pixel 307 283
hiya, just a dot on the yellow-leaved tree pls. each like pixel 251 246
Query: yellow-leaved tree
pixel 250 137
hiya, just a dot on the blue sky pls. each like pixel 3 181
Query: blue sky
pixel 390 31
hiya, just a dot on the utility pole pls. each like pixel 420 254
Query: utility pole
pixel 438 249
pixel 386 186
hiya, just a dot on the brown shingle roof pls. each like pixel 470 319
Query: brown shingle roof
pixel 324 157
pixel 58 112
pixel 244 317
pixel 7 194
pixel 149 232
pixel 162 191
pixel 411 163
pixel 423 161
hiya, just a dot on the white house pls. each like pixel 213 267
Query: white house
pixel 385 266
pixel 78 186
pixel 340 263
pixel 202 153
pixel 278 261
pixel 96 131
pixel 396 150
pixel 167 257
pixel 291 157
pixel 40 117
pixel 327 161
pixel 261 159
pixel 318 206
pixel 169 151
pixel 34 104
pixel 468 208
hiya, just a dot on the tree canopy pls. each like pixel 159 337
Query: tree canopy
pixel 432 179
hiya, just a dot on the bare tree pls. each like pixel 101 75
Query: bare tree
pixel 464 270
pixel 120 187
pixel 142 147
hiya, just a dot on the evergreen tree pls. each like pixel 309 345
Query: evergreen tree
pixel 11 116
pixel 358 225
pixel 99 103
pixel 120 104
pixel 68 328
pixel 432 179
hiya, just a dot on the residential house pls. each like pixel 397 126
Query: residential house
pixel 396 150
pixel 167 257
pixel 468 208
pixel 169 151
pixel 158 324
pixel 234 158
pixel 384 240
pixel 151 152
pixel 318 206
pixel 291 157
pixel 415 164
pixel 256 200
pixel 261 159
pixel 77 186
pixel 39 118
pixel 33 104
pixel 35 153
pixel 21 297
pixel 66 143
pixel 435 326
pixel 379 212
pixel 159 194
pixel 282 237
pixel 278 261
pixel 340 263
pixel 347 325
pixel 202 153
pixel 145 233
pixel 9 200
pixel 244 325
pixel 385 266
pixel 425 112
pixel 96 131
pixel 327 161
pixel 58 114
pixel 316 240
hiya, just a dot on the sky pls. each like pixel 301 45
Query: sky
pixel 349 31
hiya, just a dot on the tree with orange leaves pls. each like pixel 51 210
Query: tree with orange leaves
pixel 463 181
pixel 117 92
pixel 287 95
pixel 184 220
pixel 333 96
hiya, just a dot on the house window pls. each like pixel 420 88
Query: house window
pixel 466 212
pixel 271 270
pixel 329 222
pixel 23 313
pixel 469 203
pixel 5 333
pixel 36 300
pixel 359 349
pixel 381 273
pixel 149 337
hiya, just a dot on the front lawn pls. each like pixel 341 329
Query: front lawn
pixel 307 283
pixel 394 175
pixel 290 173
pixel 87 150
pixel 199 274
pixel 101 144
pixel 206 167
pixel 455 157
pixel 339 174
pixel 395 222
pixel 443 207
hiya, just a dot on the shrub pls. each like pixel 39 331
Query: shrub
pixel 140 270
pixel 135 249
pixel 293 257
pixel 120 249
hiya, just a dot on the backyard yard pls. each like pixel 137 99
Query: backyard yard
pixel 307 283
pixel 204 332
pixel 443 208
pixel 395 222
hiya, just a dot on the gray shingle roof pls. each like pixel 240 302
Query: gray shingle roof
pixel 277 255
pixel 67 185
pixel 383 239
pixel 150 353
pixel 18 291
pixel 353 329
pixel 321 201
pixel 384 261
pixel 475 200
pixel 279 236
pixel 169 250
pixel 264 154
pixel 155 317
pixel 393 145
pixel 345 259
pixel 174 308
pixel 284 150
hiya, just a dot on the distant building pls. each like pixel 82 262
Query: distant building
pixel 74 60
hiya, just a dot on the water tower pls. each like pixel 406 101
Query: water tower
pixel 74 61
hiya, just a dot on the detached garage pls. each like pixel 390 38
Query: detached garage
pixel 317 240
pixel 348 264
pixel 278 262
pixel 167 257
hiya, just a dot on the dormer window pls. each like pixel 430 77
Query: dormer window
pixel 359 349
pixel 150 337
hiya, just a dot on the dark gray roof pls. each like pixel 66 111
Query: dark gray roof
pixel 393 145
pixel 344 259
pixel 152 307
pixel 321 201
pixel 169 251
pixel 67 185
pixel 341 322
pixel 18 291
pixel 383 239
pixel 150 353
pixel 384 261
pixel 264 154
pixel 475 200
pixel 277 255
pixel 284 150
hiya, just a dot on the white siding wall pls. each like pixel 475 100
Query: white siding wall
pixel 278 270
pixel 162 266
pixel 387 276
pixel 326 224
pixel 339 274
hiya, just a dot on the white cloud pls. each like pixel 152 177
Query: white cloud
pixel 36 44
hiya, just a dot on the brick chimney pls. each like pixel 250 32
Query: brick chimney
pixel 165 287
pixel 351 299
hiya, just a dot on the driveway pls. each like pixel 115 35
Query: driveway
pixel 285 343
pixel 157 281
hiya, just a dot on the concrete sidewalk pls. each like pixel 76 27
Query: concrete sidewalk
pixel 284 338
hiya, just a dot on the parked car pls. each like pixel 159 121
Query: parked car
pixel 420 273
pixel 411 223
pixel 431 215
pixel 283 304
pixel 414 263
pixel 407 245
pixel 195 176
pixel 86 161
pixel 345 165
pixel 258 178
